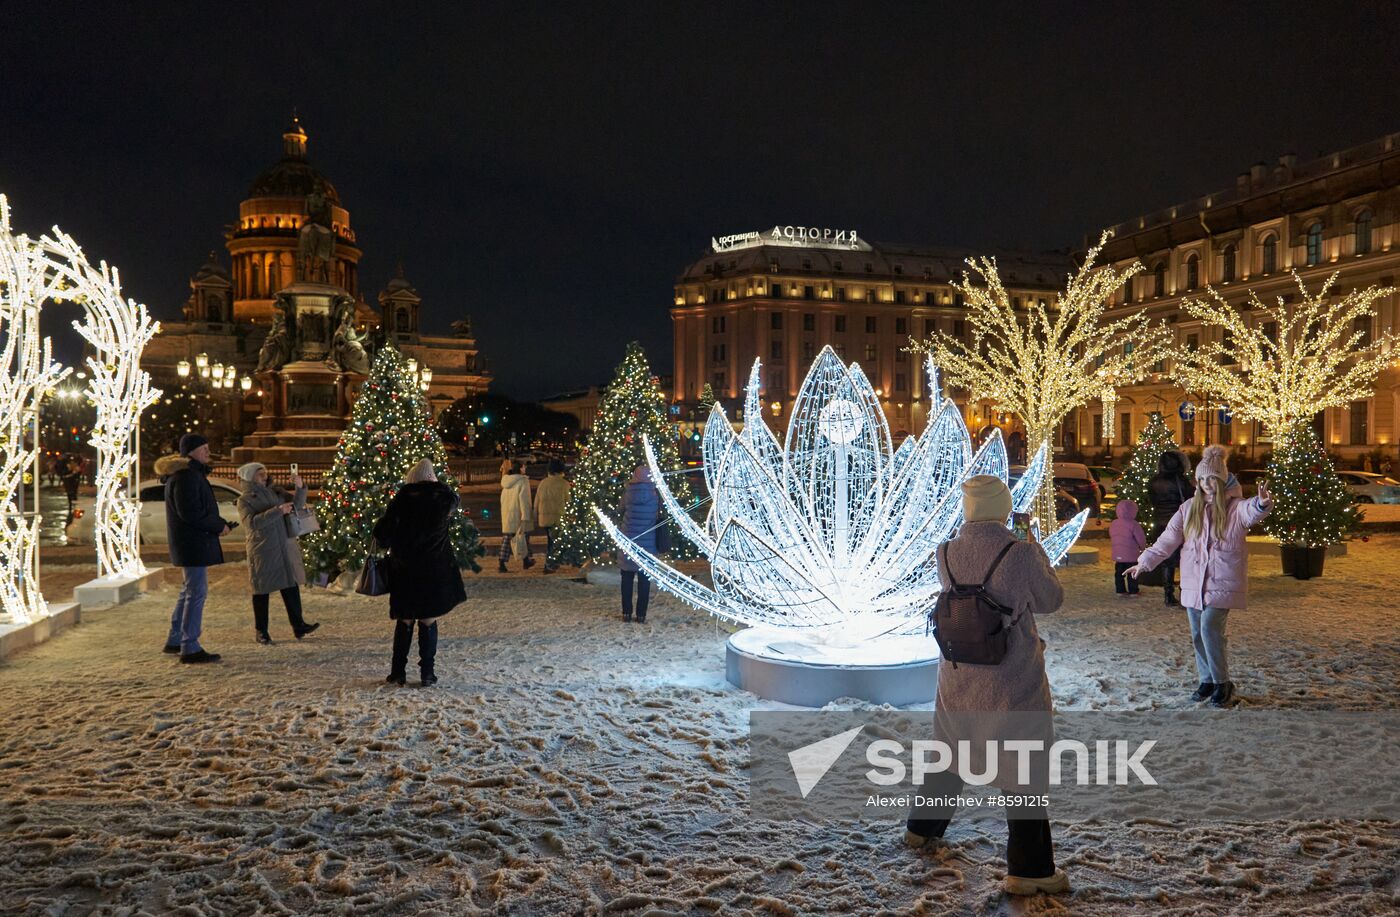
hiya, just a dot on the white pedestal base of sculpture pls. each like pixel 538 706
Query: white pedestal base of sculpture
pixel 776 665
pixel 1081 554
pixel 114 590
pixel 15 637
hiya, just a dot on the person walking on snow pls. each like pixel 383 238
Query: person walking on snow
pixel 274 557
pixel 981 703
pixel 425 582
pixel 550 499
pixel 1128 539
pixel 1209 531
pixel 517 514
pixel 193 527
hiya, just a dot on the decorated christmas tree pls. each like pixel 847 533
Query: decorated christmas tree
pixel 707 399
pixel 1135 483
pixel 1312 507
pixel 390 431
pixel 633 406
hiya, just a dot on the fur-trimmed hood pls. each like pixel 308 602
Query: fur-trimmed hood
pixel 167 465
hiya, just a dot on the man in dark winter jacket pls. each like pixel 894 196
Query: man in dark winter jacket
pixel 1170 488
pixel 193 526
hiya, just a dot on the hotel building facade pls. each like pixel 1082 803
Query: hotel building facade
pixel 1336 213
pixel 782 294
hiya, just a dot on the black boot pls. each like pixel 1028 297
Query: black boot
pixel 403 639
pixel 291 597
pixel 264 638
pixel 427 652
pixel 1224 694
pixel 1171 595
pixel 1203 691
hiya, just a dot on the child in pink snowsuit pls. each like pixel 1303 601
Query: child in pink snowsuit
pixel 1210 529
pixel 1128 539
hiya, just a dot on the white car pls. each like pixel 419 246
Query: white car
pixel 1369 487
pixel 152 496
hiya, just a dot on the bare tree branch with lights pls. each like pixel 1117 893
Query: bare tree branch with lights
pixel 1291 361
pixel 1042 361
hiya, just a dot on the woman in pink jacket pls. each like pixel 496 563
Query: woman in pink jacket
pixel 1210 529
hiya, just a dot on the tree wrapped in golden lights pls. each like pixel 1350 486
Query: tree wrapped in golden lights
pixel 1042 360
pixel 1284 363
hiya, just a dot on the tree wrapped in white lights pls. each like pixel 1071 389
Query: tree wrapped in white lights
pixel 1041 361
pixel 835 532
pixel 1284 363
pixel 27 374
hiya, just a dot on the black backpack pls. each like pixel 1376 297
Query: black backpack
pixel 969 625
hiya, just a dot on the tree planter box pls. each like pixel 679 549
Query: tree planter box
pixel 1302 562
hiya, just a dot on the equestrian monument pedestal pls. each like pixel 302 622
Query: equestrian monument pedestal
pixel 310 367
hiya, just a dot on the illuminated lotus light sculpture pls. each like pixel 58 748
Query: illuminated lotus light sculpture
pixel 827 544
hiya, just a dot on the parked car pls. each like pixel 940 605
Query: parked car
pixel 1080 482
pixel 1107 478
pixel 1369 487
pixel 152 496
pixel 1066 506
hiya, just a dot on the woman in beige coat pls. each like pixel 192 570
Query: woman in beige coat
pixel 274 557
pixel 550 499
pixel 1010 700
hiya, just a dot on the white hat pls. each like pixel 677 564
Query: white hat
pixel 248 471
pixel 986 498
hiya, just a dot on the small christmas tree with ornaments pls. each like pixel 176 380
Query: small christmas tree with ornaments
pixel 633 406
pixel 391 430
pixel 1312 507
pixel 1136 481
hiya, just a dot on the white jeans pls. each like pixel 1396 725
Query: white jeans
pixel 1211 644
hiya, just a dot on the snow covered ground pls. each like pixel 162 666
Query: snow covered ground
pixel 570 764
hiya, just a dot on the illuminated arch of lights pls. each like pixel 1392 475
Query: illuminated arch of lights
pixel 53 268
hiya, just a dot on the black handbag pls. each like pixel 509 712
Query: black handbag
pixel 374 576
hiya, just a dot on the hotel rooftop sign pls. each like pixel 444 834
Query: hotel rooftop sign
pixel 793 237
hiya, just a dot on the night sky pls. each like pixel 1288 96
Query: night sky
pixel 550 169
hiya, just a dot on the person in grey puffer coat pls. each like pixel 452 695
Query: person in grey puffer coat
pixel 274 557
pixel 974 701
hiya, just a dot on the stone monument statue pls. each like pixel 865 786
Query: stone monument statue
pixel 277 346
pixel 347 350
pixel 316 242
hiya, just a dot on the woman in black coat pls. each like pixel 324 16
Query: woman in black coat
pixel 1170 488
pixel 425 582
